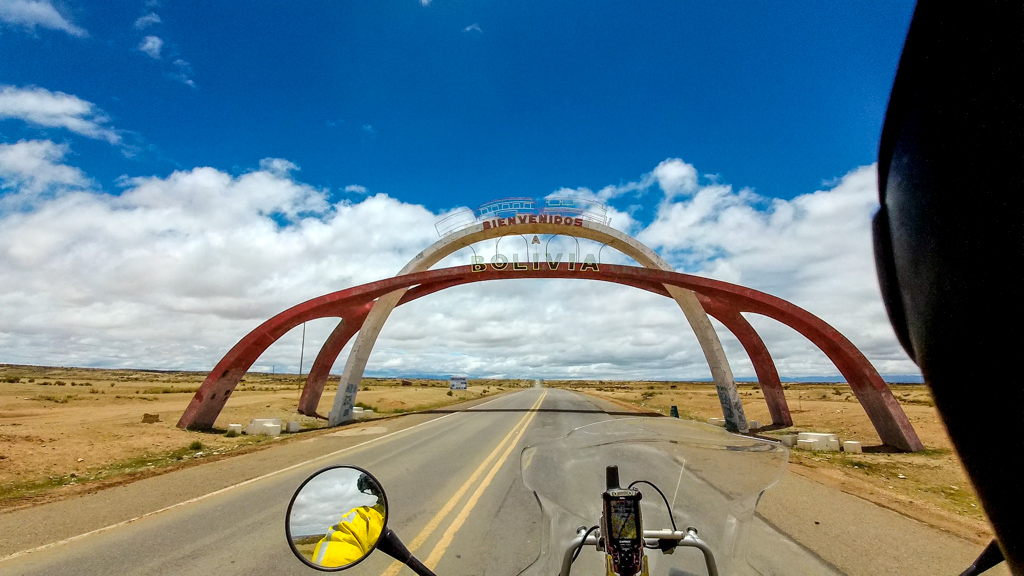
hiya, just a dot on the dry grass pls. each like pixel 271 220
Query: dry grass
pixel 63 430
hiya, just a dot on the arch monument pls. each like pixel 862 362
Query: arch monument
pixel 364 309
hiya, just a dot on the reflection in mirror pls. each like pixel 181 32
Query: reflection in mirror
pixel 336 517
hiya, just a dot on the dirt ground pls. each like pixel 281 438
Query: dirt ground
pixel 68 430
pixel 929 486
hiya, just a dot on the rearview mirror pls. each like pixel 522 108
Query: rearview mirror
pixel 336 518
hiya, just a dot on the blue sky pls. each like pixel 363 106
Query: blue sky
pixel 409 109
pixel 457 103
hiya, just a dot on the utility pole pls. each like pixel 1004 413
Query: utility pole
pixel 302 349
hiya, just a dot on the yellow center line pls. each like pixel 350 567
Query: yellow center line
pixel 449 534
pixel 427 530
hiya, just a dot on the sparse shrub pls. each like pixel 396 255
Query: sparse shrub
pixel 56 399
pixel 231 434
pixel 450 393
pixel 60 383
pixel 673 386
pixel 195 445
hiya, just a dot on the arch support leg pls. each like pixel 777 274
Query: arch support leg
pixel 714 353
pixel 890 421
pixel 764 366
pixel 321 370
pixel 342 410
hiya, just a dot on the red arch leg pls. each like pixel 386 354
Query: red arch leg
pixel 209 400
pixel 764 366
pixel 346 329
pixel 321 369
pixel 885 413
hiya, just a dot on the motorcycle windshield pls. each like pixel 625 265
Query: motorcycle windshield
pixel 711 478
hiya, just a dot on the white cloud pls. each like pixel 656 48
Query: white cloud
pixel 56 110
pixel 278 166
pixel 355 189
pixel 425 2
pixel 814 250
pixel 151 45
pixel 147 20
pixel 675 177
pixel 174 270
pixel 183 73
pixel 30 167
pixel 30 14
pixel 474 27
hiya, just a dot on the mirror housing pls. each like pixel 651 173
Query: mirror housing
pixel 336 518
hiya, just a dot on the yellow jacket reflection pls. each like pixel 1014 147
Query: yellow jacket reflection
pixel 351 538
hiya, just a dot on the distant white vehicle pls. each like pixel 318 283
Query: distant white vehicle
pixel 457 383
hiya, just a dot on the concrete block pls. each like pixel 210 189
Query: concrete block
pixel 828 442
pixel 293 426
pixel 271 429
pixel 812 445
pixel 788 440
pixel 237 428
pixel 852 447
pixel 713 421
pixel 356 410
pixel 256 425
pixel 817 436
pixel 753 424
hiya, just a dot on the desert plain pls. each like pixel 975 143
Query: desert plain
pixel 65 431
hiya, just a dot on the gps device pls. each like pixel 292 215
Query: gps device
pixel 621 528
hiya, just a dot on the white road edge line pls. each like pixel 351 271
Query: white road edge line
pixel 233 486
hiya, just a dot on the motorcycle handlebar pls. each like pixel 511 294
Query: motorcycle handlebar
pixel 665 540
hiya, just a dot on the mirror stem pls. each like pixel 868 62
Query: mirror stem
pixel 391 545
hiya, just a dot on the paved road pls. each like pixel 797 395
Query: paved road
pixel 452 480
